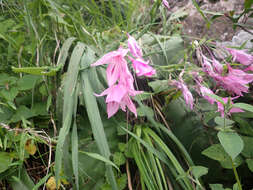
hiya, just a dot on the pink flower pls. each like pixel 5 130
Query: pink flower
pixel 250 68
pixel 236 81
pixel 142 68
pixel 204 91
pixel 118 97
pixel 120 82
pixel 232 110
pixel 134 47
pixel 117 65
pixel 218 68
pixel 241 56
pixel 240 74
pixel 114 93
pixel 186 92
pixel 166 4
pixel 207 66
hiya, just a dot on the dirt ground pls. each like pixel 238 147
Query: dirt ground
pixel 194 25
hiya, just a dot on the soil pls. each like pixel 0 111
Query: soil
pixel 194 25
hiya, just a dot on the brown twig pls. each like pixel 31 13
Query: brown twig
pixel 28 130
pixel 128 176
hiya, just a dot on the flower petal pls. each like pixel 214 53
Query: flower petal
pixel 241 56
pixel 112 108
pixel 128 102
pixel 142 68
pixel 116 93
pixel 134 47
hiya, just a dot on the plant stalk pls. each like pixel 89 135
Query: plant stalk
pixel 236 175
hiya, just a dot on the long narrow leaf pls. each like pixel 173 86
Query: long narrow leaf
pixel 69 88
pixel 171 156
pixel 64 51
pixel 74 143
pixel 41 182
pixel 93 114
pixel 101 158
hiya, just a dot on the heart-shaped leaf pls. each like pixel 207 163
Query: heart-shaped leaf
pixel 231 142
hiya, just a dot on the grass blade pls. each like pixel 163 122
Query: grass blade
pixel 93 114
pixel 74 143
pixel 68 106
pixel 41 182
pixel 194 2
pixel 101 158
pixel 171 156
pixel 64 51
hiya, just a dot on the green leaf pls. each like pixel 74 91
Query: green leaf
pixel 10 94
pixel 122 147
pixel 22 113
pixel 231 142
pixel 39 108
pixel 93 113
pixel 178 14
pixel 250 164
pixel 235 186
pixel 245 126
pixel 5 161
pixel 44 70
pixel 74 144
pixel 220 121
pixel 41 182
pixel 219 99
pixel 199 171
pixel 159 85
pixel 217 152
pixel 119 158
pixel 216 187
pixel 248 4
pixel 21 181
pixel 122 182
pixel 101 158
pixel 201 13
pixel 145 111
pixel 228 165
pixel 28 82
pixel 64 51
pixel 243 106
pixel 6 114
pixel 68 105
pixel 248 148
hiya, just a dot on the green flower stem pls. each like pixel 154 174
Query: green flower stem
pixel 233 165
pixel 236 175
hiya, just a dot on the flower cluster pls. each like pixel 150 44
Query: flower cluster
pixel 120 79
pixel 235 81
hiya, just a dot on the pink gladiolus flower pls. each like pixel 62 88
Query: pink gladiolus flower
pixel 241 56
pixel 166 4
pixel 204 91
pixel 120 82
pixel 113 107
pixel 232 110
pixel 236 81
pixel 186 92
pixel 250 68
pixel 117 65
pixel 142 68
pixel 218 68
pixel 114 93
pixel 118 97
pixel 134 47
pixel 207 66
pixel 240 74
